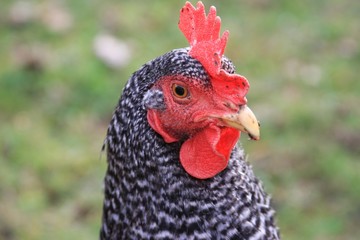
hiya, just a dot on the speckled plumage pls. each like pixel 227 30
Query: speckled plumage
pixel 148 194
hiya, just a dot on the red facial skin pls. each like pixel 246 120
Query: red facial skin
pixel 183 117
pixel 208 143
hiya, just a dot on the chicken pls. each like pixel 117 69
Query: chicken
pixel 174 169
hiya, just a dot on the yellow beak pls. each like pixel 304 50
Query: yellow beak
pixel 244 120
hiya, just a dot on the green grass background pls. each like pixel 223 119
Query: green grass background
pixel 302 59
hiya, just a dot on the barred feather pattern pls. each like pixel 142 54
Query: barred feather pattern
pixel 148 195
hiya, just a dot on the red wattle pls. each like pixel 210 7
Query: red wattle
pixel 207 153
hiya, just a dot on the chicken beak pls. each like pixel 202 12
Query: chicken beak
pixel 244 120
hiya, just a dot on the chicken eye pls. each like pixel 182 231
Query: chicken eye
pixel 180 91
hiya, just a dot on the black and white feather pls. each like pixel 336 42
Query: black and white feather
pixel 148 194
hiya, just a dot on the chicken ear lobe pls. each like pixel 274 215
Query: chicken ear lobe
pixel 155 123
pixel 207 153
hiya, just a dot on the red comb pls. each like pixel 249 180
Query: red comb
pixel 202 32
pixel 207 47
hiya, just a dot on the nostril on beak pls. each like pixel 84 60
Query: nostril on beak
pixel 231 105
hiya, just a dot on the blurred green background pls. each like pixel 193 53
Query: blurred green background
pixel 58 89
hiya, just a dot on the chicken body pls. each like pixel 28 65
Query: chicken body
pixel 148 195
